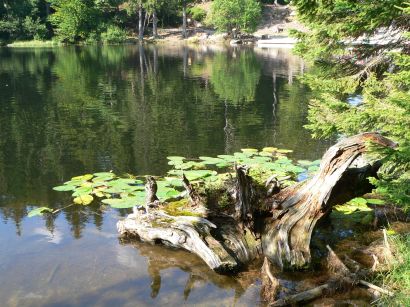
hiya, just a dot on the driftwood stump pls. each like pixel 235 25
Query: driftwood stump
pixel 227 240
pixel 343 175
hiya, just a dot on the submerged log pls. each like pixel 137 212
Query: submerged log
pixel 228 239
pixel 343 175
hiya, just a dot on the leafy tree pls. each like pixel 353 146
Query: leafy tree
pixel 361 86
pixel 74 19
pixel 197 13
pixel 22 19
pixel 243 15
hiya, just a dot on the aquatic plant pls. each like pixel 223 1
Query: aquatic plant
pixel 126 192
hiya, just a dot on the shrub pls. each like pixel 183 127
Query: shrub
pixel 114 35
pixel 197 13
pixel 243 15
pixel 33 28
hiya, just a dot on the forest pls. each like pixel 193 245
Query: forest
pixel 112 21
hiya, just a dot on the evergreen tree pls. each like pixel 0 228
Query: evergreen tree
pixel 361 78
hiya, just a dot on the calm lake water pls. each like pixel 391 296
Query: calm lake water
pixel 70 111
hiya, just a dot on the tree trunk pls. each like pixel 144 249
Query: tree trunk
pixel 184 20
pixel 154 24
pixel 226 240
pixel 140 22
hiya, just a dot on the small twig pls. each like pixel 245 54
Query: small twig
pixel 386 242
pixel 375 263
pixel 58 210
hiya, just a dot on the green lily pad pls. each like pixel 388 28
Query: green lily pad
pixel 64 188
pixel 228 158
pixel 82 191
pixel 39 211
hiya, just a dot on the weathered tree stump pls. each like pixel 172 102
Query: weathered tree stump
pixel 227 240
pixel 343 175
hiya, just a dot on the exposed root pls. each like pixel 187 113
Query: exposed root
pixel 270 284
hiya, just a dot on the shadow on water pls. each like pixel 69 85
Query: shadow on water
pixel 69 111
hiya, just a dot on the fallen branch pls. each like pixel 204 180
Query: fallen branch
pixel 374 287
pixel 301 297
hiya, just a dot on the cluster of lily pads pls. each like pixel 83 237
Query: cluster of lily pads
pixel 120 192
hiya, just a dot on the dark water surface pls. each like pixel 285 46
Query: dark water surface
pixel 69 111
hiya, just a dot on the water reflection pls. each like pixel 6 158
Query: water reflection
pixel 68 111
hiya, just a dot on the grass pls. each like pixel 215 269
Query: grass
pixel 398 278
pixel 34 43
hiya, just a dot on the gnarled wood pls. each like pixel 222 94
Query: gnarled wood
pixel 227 241
pixel 245 195
pixel 223 248
pixel 343 175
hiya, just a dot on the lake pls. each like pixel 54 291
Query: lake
pixel 72 110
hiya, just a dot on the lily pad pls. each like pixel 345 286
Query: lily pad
pixel 64 188
pixel 39 211
pixel 269 149
pixel 284 150
pixel 82 191
pixel 313 168
pixel 249 150
pixel 228 158
pixel 83 177
pixel 83 199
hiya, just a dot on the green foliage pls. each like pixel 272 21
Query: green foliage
pixel 23 19
pixel 39 211
pixel 114 35
pixel 197 13
pixel 243 15
pixel 397 278
pixel 377 76
pixel 74 19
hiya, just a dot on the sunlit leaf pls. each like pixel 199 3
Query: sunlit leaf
pixel 269 149
pixel 83 177
pixel 83 199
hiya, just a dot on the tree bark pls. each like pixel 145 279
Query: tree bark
pixel 184 20
pixel 154 24
pixel 140 22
